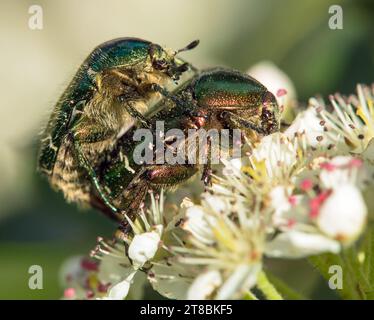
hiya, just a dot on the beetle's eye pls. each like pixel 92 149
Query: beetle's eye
pixel 268 99
pixel 160 64
pixel 223 115
pixel 266 114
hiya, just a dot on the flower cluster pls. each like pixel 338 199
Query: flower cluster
pixel 296 193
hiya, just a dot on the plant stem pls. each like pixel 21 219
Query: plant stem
pixel 249 296
pixel 267 288
pixel 367 267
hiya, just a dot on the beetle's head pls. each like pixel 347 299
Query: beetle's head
pixel 263 118
pixel 238 101
pixel 165 60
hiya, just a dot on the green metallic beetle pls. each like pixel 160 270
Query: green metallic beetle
pixel 214 99
pixel 111 90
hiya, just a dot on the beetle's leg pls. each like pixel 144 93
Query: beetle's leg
pixel 133 112
pixel 132 197
pixel 83 162
pixel 207 169
pixel 129 90
pixel 239 122
pixel 91 173
pixel 156 87
pixel 169 175
pixel 90 133
pixel 97 203
pixel 156 176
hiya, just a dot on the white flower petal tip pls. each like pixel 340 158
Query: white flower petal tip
pixel 186 203
pixel 205 285
pixel 195 223
pixel 120 290
pixel 343 214
pixel 216 203
pixel 296 244
pixel 243 278
pixel 144 247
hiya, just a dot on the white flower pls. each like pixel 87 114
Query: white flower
pixel 277 154
pixel 114 267
pixel 279 197
pixel 79 277
pixel 170 278
pixel 205 285
pixel 220 245
pixel 196 224
pixel 297 244
pixel 121 262
pixel 218 204
pixel 144 246
pixel 341 170
pixel 291 172
pixel 343 215
pixel 120 290
pixel 71 270
pixel 242 278
pixel 308 123
pixel 351 125
pixel 297 194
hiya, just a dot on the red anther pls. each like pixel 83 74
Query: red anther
pixel 292 200
pixel 89 265
pixel 328 166
pixel 306 184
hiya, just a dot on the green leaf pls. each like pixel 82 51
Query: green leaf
pixel 284 289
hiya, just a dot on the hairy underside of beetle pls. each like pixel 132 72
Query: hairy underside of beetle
pixel 103 120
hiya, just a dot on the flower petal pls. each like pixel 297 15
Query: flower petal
pixel 243 278
pixel 343 215
pixel 197 225
pixel 204 285
pixel 170 279
pixel 143 247
pixel 120 290
pixel 296 244
pixel 309 124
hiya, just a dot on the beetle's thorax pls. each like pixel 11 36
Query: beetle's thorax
pixel 105 107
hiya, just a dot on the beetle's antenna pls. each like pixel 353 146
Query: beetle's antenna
pixel 190 46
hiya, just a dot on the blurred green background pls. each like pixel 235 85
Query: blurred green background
pixel 36 225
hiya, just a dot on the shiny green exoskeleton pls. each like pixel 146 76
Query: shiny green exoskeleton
pixel 111 90
pixel 215 99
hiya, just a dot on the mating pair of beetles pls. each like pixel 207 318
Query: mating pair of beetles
pixel 87 146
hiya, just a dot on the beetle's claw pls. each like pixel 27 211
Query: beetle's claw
pixel 207 177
